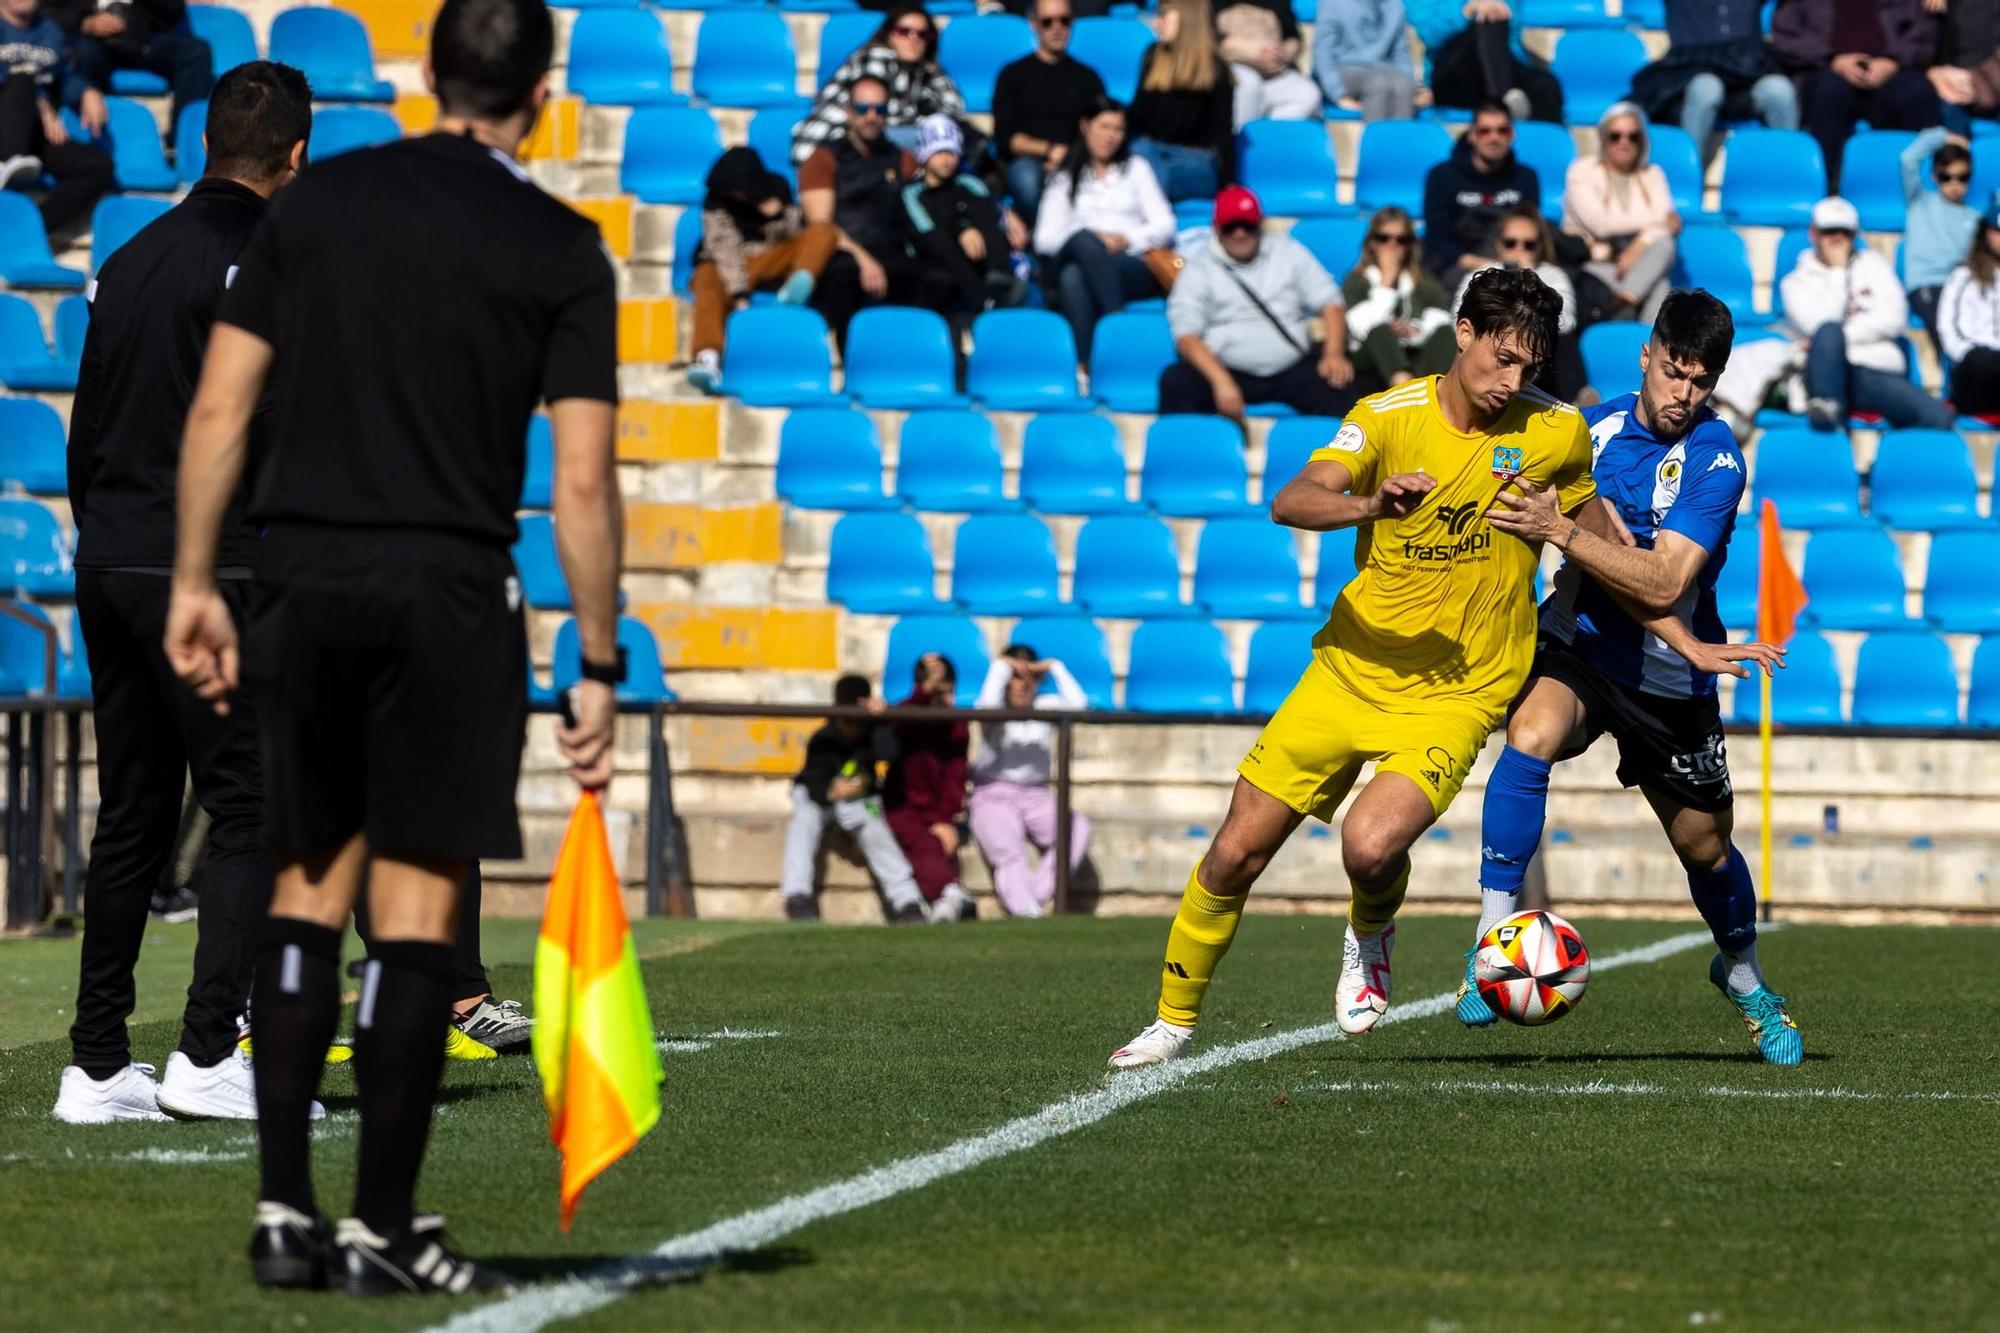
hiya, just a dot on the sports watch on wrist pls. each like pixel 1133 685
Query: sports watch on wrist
pixel 606 673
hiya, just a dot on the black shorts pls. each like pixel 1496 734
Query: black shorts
pixel 1670 746
pixel 390 677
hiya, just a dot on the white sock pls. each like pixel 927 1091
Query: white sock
pixel 1495 906
pixel 1744 976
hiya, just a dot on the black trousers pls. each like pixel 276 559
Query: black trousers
pixel 176 55
pixel 1478 65
pixel 468 968
pixel 152 733
pixel 1830 106
pixel 1298 386
pixel 1975 383
pixel 83 174
pixel 838 295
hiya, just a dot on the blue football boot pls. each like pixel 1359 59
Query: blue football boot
pixel 1473 1011
pixel 1772 1030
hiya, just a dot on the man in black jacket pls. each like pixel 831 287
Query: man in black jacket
pixel 836 785
pixel 1465 194
pixel 152 307
pixel 149 35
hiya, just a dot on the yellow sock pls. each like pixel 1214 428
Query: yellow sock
pixel 1203 928
pixel 1371 910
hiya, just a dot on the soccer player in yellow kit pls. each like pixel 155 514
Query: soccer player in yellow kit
pixel 1424 651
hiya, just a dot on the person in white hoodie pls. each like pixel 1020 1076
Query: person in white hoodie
pixel 1969 320
pixel 1851 312
pixel 1011 804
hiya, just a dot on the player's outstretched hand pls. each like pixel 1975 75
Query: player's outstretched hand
pixel 1725 659
pixel 1534 515
pixel 201 644
pixel 586 739
pixel 1400 494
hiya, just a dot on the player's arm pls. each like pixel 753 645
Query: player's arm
pixel 1653 580
pixel 1319 499
pixel 1719 659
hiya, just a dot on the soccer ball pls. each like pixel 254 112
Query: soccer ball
pixel 1532 968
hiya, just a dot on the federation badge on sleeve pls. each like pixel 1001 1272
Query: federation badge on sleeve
pixel 1506 461
pixel 1349 439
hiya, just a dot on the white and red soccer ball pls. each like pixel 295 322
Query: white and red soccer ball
pixel 1532 968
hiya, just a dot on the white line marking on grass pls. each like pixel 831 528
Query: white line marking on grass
pixel 686 1254
pixel 689 1045
pixel 1606 1088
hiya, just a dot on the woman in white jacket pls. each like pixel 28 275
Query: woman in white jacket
pixel 1969 322
pixel 1011 804
pixel 1398 316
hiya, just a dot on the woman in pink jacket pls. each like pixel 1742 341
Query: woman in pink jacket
pixel 1620 206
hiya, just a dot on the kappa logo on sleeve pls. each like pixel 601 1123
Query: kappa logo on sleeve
pixel 1727 461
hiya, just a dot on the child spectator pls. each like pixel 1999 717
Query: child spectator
pixel 1969 321
pixel 925 793
pixel 966 237
pixel 1182 120
pixel 1398 316
pixel 1940 224
pixel 1012 806
pixel 836 786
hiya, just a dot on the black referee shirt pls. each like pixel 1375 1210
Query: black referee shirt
pixel 422 297
pixel 151 308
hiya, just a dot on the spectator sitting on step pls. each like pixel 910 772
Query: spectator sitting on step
pixel 1012 804
pixel 1938 224
pixel 1037 101
pixel 1850 311
pixel 36 82
pixel 1969 321
pixel 1476 56
pixel 836 787
pixel 1261 41
pixel 856 183
pixel 1622 208
pixel 1238 314
pixel 1361 57
pixel 1855 60
pixel 1717 64
pixel 1182 118
pixel 1465 194
pixel 1398 317
pixel 149 35
pixel 753 238
pixel 925 793
pixel 902 57
pixel 965 240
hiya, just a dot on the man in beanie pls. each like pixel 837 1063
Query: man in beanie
pixel 962 237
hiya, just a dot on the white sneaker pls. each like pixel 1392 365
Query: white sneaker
pixel 1159 1043
pixel 223 1091
pixel 950 906
pixel 23 167
pixel 1361 996
pixel 129 1094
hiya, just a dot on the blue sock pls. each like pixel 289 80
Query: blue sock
pixel 1727 901
pixel 1510 829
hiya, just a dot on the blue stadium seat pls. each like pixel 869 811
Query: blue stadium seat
pixel 770 133
pixel 1073 464
pixel 901 358
pixel 1854 580
pixel 1810 476
pixel 1791 245
pixel 744 57
pixel 1248 569
pixel 25 259
pixel 132 137
pixel 34 552
pixel 1714 258
pixel 1771 178
pixel 1334 568
pixel 841 37
pixel 1549 149
pixel 1962 584
pixel 1288 446
pixel 973 50
pixel 1736 585
pixel 1805 694
pixel 1395 157
pixel 620 57
pixel 536 563
pixel 1673 148
pixel 117 219
pixel 1079 645
pixel 1279 652
pixel 330 47
pixel 776 356
pixel 1179 666
pixel 1290 166
pixel 1334 242
pixel 1904 680
pixel 1004 565
pixel 950 461
pixel 1565 14
pixel 668 151
pixel 1982 707
pixel 1595 67
pixel 687 240
pixel 538 479
pixel 190 153
pixel 1194 468
pixel 881 564
pixel 342 129
pixel 72 325
pixel 1024 361
pixel 231 40
pixel 1112 46
pixel 1923 480
pixel 954 636
pixel 33 456
pixel 1127 353
pixel 1126 566
pixel 645 678
pixel 1611 355
pixel 1871 178
pixel 828 458
pixel 1653 14
pixel 26 363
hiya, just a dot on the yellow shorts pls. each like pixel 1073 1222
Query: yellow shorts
pixel 1314 746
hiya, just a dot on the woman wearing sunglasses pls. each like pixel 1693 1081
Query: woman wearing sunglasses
pixel 1620 206
pixel 903 55
pixel 1398 318
pixel 1526 240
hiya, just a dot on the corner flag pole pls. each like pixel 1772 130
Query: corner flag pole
pixel 1764 772
pixel 1780 598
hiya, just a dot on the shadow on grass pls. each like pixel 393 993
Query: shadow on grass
pixel 1512 1059
pixel 461 1092
pixel 631 1272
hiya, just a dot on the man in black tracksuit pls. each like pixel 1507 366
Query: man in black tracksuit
pixel 152 306
pixel 1465 194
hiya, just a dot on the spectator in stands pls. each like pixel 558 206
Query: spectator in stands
pixel 1969 321
pixel 963 239
pixel 1012 806
pixel 1261 41
pixel 1182 120
pixel 1718 65
pixel 1524 239
pixel 1620 206
pixel 1856 60
pixel 836 786
pixel 1850 311
pixel 753 238
pixel 925 793
pixel 1037 101
pixel 1106 231
pixel 150 35
pixel 1238 314
pixel 856 184
pixel 1938 224
pixel 1465 195
pixel 36 82
pixel 1967 75
pixel 1398 316
pixel 1475 53
pixel 1361 57
pixel 902 57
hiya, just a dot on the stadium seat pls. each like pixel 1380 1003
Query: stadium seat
pixel 828 458
pixel 1194 468
pixel 687 240
pixel 620 57
pixel 34 553
pixel 1548 149
pixel 1279 652
pixel 1179 666
pixel 1289 165
pixel 132 137
pixel 1334 242
pixel 72 325
pixel 1395 157
pixel 1073 463
pixel 1248 569
pixel 25 259
pixel 1334 568
pixel 1653 14
pixel 972 50
pixel 1962 583
pixel 1595 67
pixel 668 151
pixel 770 134
pixel 1923 480
pixel 744 57
pixel 117 219
pixel 901 358
pixel 950 462
pixel 1904 680
pixel 842 35
pixel 190 153
pixel 1079 645
pixel 1126 566
pixel 1736 585
pixel 1112 46
pixel 1565 14
pixel 1004 565
pixel 881 564
pixel 24 654
pixel 1024 361
pixel 1673 149
pixel 1127 353
pixel 1871 178
pixel 231 40
pixel 1805 694
pixel 1611 355
pixel 776 356
pixel 26 363
pixel 1982 707
pixel 1714 258
pixel 1794 242
pixel 1854 580
pixel 645 678
pixel 1771 178
pixel 538 479
pixel 33 456
pixel 541 573
pixel 1288 446
pixel 954 636
pixel 1810 476
pixel 342 129
pixel 330 47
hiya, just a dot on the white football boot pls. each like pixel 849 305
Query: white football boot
pixel 129 1094
pixel 226 1090
pixel 1361 996
pixel 1160 1042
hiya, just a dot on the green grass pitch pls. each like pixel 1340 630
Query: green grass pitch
pixel 1630 1167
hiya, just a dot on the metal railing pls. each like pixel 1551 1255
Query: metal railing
pixel 30 826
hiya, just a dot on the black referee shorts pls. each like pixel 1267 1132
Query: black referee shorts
pixel 1670 746
pixel 389 671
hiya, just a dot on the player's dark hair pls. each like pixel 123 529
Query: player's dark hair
pixel 1695 329
pixel 1513 300
pixel 257 113
pixel 1950 155
pixel 1019 652
pixel 851 690
pixel 488 55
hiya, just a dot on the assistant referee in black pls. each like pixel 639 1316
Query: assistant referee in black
pixel 413 304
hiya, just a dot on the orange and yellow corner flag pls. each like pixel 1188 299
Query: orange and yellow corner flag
pixel 1780 595
pixel 593 1037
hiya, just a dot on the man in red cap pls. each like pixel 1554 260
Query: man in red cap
pixel 1238 314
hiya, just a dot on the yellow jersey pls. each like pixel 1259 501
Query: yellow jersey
pixel 1441 611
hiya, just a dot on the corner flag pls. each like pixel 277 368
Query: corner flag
pixel 1780 598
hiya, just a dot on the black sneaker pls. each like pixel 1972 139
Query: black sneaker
pixel 417 1262
pixel 175 905
pixel 910 914
pixel 801 907
pixel 287 1247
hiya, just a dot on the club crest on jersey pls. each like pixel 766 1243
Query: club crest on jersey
pixel 1506 461
pixel 1670 471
